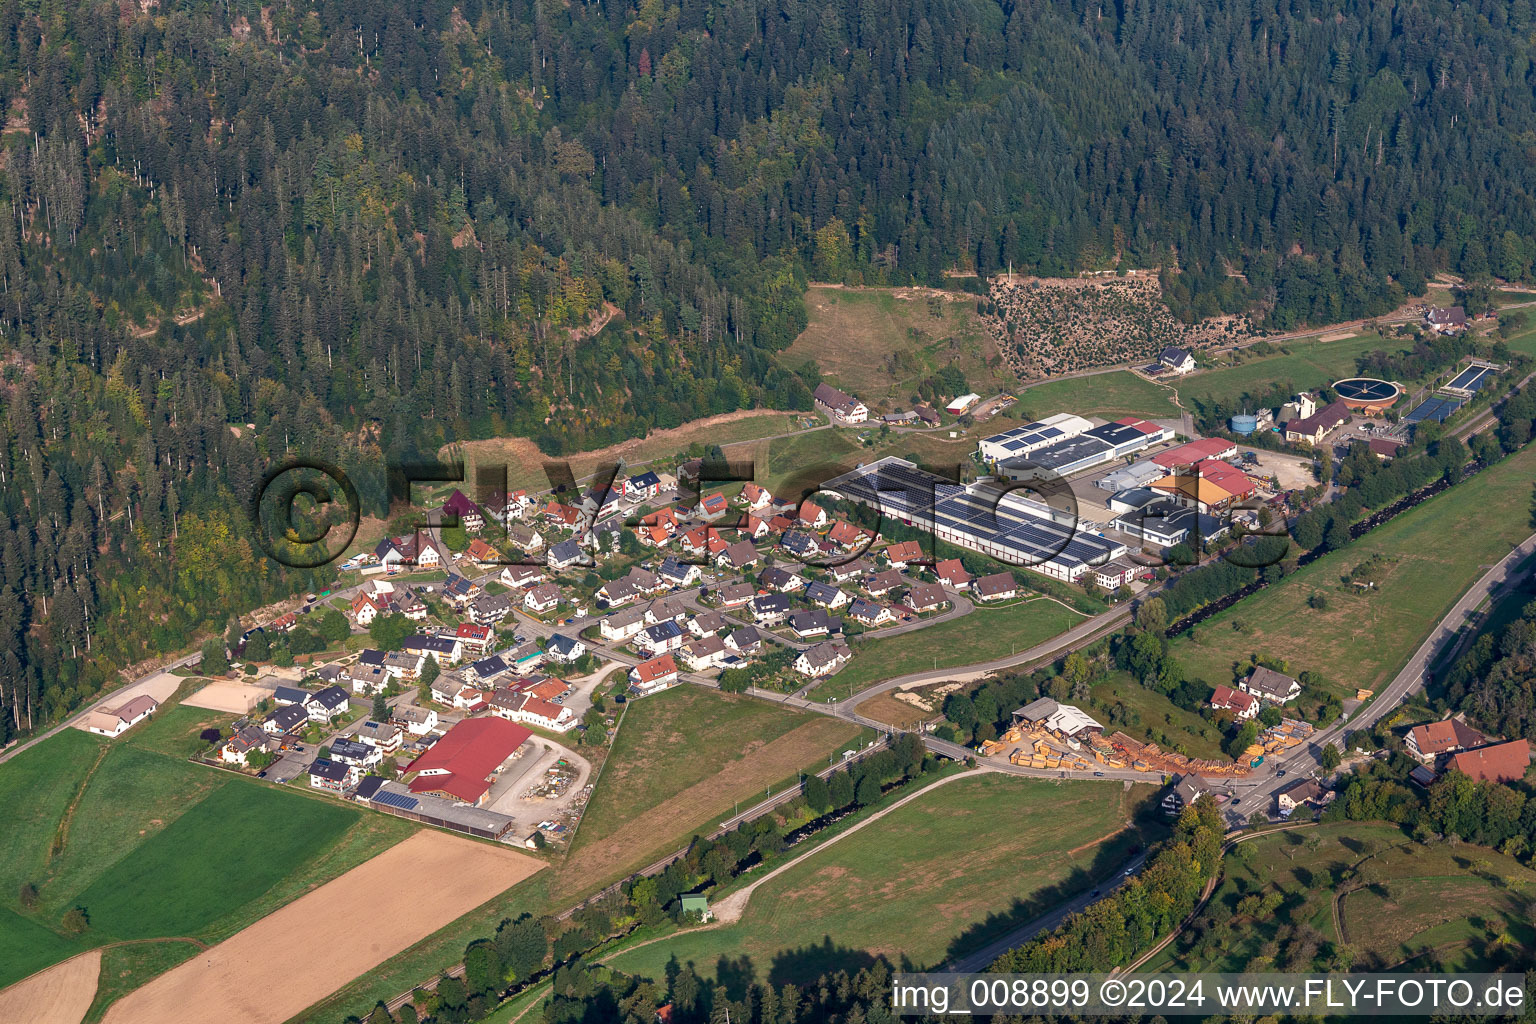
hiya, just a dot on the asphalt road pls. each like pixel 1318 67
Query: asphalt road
pixel 1257 792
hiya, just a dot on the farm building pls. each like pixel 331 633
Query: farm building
pixel 1427 742
pixel 1502 762
pixel 840 406
pixel 463 764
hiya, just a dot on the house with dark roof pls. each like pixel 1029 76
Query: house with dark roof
pixel 882 583
pixel 745 641
pixel 1267 684
pixel 465 511
pixel 355 753
pixel 446 650
pixel 781 580
pixel 324 705
pixel 999 586
pixel 660 638
pixel 733 595
pixel 296 695
pixel 490 608
pixel 809 622
pixel 677 573
pixel 822 660
pixel 769 608
pixel 839 406
pixel 825 595
pixel 563 555
pixel 247 740
pixel 327 774
pixel 285 719
pixel 565 649
pixel 739 555
pixel 1177 360
pixel 1302 792
pixel 870 613
pixel 926 597
pixel 1312 429
pixel 543 598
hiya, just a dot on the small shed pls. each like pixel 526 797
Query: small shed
pixel 696 903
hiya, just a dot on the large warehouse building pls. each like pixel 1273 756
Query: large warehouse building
pixel 1086 450
pixel 983 517
pixel 1030 437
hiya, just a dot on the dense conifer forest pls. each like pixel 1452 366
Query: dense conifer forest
pixel 347 229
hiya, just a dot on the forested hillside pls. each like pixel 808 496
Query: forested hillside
pixel 370 228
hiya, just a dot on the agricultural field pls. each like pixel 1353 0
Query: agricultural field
pixel 789 458
pixel 879 343
pixel 939 877
pixel 1110 395
pixel 150 846
pixel 984 634
pixel 682 760
pixel 1370 887
pixel 1361 638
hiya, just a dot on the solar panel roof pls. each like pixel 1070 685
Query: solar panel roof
pixel 1438 408
pixel 400 800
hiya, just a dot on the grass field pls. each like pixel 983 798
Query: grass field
pixel 1158 719
pixel 789 457
pixel 941 876
pixel 151 846
pixel 681 761
pixel 1363 638
pixel 878 343
pixel 1402 898
pixel 984 634
pixel 1306 364
pixel 1110 395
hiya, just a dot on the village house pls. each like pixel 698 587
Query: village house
pixel 491 608
pixel 822 660
pixel 458 506
pixel 739 555
pixel 519 576
pixel 678 574
pixel 619 626
pixel 665 609
pixel 755 497
pixel 1427 742
pixel 1176 360
pixel 418 721
pixel 925 597
pixel 704 654
pixel 708 623
pixel 780 580
pixel 365 609
pixel 1312 429
pixel 755 527
pixel 660 638
pixel 475 638
pixel 870 613
pixel 565 649
pixel 839 406
pixel 746 641
pixel 734 595
pixel 655 674
pixel 246 741
pixel 355 754
pixel 1243 705
pixel 809 622
pixel 856 569
pixel 1267 684
pixel 812 515
pixel 564 555
pixel 543 598
pixel 882 583
pixel 903 554
pixel 446 650
pixel 483 554
pixel 504 507
pixel 1302 792
pixel 768 609
pixel 1186 789
pixel 825 595
pixel 329 775
pixel 121 719
pixel 642 487
pixel 1502 762
pixel 324 705
pixel 951 572
pixel 618 592
pixel 283 720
